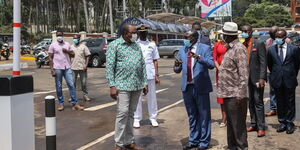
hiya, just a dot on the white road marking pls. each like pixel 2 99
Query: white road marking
pixel 113 132
pixel 47 92
pixel 169 74
pixel 98 107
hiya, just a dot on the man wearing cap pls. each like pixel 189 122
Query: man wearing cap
pixel 257 56
pixel 194 59
pixel 151 56
pixel 232 87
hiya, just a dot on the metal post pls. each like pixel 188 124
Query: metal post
pixel 17 37
pixel 110 18
pixel 50 123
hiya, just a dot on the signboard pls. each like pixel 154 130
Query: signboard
pixel 215 8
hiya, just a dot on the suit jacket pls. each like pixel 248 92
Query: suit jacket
pixel 284 72
pixel 258 62
pixel 204 40
pixel 201 76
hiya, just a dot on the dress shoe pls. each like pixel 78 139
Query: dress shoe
pixel 202 148
pixel 189 146
pixel 251 129
pixel 136 124
pixel 281 128
pixel 77 107
pixel 133 146
pixel 118 148
pixel 154 123
pixel 271 113
pixel 60 107
pixel 290 129
pixel 86 98
pixel 261 133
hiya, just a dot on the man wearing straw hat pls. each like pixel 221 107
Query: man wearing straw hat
pixel 232 87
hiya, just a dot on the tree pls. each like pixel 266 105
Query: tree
pixel 266 14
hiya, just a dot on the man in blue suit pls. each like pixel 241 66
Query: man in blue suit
pixel 283 63
pixel 194 59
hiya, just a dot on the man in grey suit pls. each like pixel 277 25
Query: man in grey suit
pixel 256 51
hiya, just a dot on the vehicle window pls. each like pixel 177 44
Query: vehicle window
pixel 180 43
pixel 94 42
pixel 164 43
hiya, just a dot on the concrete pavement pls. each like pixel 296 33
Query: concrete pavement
pixel 93 130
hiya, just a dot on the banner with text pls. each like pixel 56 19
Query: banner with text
pixel 215 8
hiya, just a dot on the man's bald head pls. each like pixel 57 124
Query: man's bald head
pixel 273 31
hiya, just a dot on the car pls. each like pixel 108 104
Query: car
pixel 44 44
pixel 170 47
pixel 96 47
pixel 263 38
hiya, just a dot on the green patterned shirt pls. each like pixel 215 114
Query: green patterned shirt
pixel 125 66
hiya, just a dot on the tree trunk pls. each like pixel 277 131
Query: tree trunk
pixel 48 17
pixel 37 17
pixel 87 23
pixel 60 11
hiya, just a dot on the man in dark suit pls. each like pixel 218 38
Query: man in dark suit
pixel 203 33
pixel 283 63
pixel 257 55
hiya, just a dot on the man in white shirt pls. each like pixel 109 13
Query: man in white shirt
pixel 151 56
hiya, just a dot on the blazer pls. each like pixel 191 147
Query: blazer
pixel 284 72
pixel 204 40
pixel 201 76
pixel 257 62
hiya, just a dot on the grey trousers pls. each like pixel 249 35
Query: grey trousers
pixel 236 124
pixel 126 106
pixel 256 107
pixel 83 76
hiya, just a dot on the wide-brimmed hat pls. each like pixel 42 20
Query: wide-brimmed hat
pixel 230 28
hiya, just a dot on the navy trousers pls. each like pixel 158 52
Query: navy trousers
pixel 198 110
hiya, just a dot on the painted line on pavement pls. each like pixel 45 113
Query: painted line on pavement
pixel 47 92
pixel 169 74
pixel 98 107
pixel 113 132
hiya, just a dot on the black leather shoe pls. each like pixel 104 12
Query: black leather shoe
pixel 201 148
pixel 290 129
pixel 281 128
pixel 189 146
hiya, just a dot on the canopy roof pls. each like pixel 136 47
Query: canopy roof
pixel 188 20
pixel 155 25
pixel 165 17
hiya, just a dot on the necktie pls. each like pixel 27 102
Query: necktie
pixel 281 54
pixel 189 66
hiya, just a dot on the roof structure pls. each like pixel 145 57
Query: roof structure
pixel 165 17
pixel 155 25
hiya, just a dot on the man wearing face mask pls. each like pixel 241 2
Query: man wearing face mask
pixel 203 33
pixel 283 63
pixel 151 56
pixel 232 87
pixel 80 64
pixel 127 78
pixel 257 57
pixel 60 54
pixel 194 59
pixel 270 42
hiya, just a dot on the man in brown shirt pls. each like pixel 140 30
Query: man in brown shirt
pixel 232 87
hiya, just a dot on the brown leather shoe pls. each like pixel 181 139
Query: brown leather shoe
pixel 271 113
pixel 133 146
pixel 60 107
pixel 251 129
pixel 118 148
pixel 77 107
pixel 261 133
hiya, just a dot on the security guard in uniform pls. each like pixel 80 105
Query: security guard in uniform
pixel 151 56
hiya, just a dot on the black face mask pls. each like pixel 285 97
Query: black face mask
pixel 143 35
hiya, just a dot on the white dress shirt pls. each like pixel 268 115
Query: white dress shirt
pixel 284 49
pixel 193 62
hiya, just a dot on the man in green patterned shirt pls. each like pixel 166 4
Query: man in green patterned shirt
pixel 126 75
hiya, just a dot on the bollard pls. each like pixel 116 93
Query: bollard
pixel 50 122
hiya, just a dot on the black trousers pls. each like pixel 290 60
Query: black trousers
pixel 256 107
pixel 285 104
pixel 236 124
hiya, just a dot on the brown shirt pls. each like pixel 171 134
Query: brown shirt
pixel 234 72
pixel 81 52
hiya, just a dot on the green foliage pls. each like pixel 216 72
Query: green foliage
pixel 265 14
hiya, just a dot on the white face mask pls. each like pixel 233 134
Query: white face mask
pixel 60 39
pixel 134 38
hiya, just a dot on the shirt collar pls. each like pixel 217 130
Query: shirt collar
pixel 283 46
pixel 231 44
pixel 139 40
